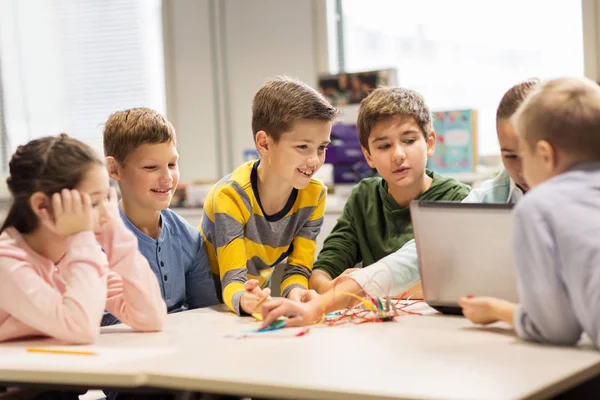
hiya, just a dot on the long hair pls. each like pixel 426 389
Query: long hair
pixel 46 165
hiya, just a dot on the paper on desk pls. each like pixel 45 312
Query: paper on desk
pixel 16 357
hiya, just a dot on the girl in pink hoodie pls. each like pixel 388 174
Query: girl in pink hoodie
pixel 55 278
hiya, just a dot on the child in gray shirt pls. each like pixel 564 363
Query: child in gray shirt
pixel 557 225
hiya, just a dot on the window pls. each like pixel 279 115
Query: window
pixel 464 53
pixel 66 65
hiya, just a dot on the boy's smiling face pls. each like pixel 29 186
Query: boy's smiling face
pixel 399 151
pixel 150 176
pixel 299 153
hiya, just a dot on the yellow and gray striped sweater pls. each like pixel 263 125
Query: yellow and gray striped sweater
pixel 242 242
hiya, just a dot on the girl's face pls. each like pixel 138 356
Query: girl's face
pixel 95 184
pixel 54 244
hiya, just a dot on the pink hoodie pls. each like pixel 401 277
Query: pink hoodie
pixel 67 300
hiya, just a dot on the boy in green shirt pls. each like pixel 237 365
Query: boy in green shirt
pixel 395 129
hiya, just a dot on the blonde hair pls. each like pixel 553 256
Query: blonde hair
pixel 385 102
pixel 126 130
pixel 565 112
pixel 282 101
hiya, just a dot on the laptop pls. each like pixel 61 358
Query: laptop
pixel 464 249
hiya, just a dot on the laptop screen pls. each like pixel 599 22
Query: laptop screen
pixel 464 249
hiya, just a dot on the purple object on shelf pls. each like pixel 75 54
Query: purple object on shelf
pixel 352 173
pixel 343 154
pixel 345 133
pixel 344 147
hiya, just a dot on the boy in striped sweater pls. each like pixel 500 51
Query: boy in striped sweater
pixel 272 208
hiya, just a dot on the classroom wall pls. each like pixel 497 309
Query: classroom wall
pixel 591 38
pixel 264 38
pixel 190 86
pixel 218 53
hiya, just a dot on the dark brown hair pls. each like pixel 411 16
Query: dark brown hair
pixel 282 101
pixel 514 97
pixel 126 130
pixel 385 102
pixel 565 112
pixel 46 165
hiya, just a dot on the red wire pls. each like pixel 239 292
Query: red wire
pixel 359 316
pixel 402 308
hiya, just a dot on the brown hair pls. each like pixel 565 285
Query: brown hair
pixel 46 165
pixel 514 96
pixel 385 102
pixel 126 130
pixel 565 112
pixel 282 100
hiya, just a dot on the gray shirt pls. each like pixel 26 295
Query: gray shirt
pixel 557 255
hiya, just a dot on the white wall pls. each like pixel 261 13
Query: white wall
pixel 591 38
pixel 218 52
pixel 264 38
pixel 190 86
pixel 210 89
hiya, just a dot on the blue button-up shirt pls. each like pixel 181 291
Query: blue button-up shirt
pixel 178 259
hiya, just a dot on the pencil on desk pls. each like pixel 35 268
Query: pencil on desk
pixel 257 314
pixel 57 351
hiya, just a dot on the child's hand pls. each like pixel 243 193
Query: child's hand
pixel 302 295
pixel 306 313
pixel 481 310
pixel 253 297
pixel 108 211
pixel 72 213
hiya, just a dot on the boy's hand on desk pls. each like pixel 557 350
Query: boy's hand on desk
pixel 305 313
pixel 486 310
pixel 253 297
pixel 302 295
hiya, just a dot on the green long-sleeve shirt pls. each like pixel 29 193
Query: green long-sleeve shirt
pixel 373 225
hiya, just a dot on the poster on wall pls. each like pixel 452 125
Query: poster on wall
pixel 456 148
pixel 346 90
pixel 350 88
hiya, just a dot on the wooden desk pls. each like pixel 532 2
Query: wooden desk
pixel 431 356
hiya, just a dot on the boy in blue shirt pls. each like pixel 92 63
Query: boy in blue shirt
pixel 557 225
pixel 139 145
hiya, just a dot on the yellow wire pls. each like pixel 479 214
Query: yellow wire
pixel 368 304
